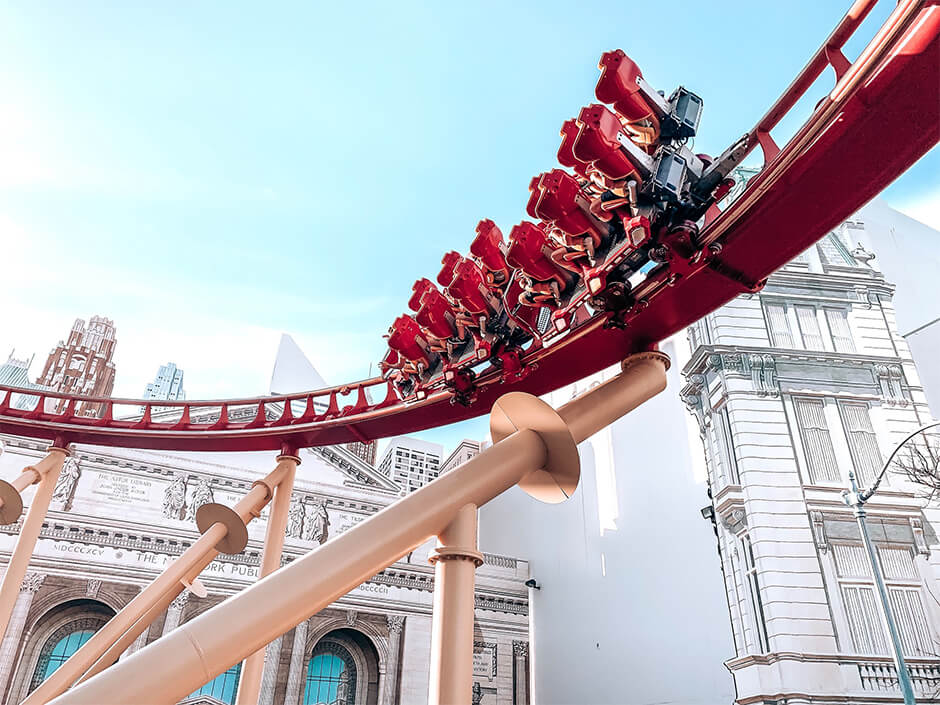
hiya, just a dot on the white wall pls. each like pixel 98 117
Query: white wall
pixel 638 614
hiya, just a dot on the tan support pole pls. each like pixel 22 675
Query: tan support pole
pixel 249 684
pixel 46 473
pixel 130 620
pixel 173 667
pixel 455 562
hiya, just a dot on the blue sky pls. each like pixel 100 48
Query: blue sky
pixel 210 174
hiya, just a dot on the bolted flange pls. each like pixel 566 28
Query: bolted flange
pixel 237 537
pixel 559 478
pixel 12 508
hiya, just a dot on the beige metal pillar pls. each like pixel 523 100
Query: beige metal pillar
pixel 222 528
pixel 535 449
pixel 45 473
pixel 249 684
pixel 455 560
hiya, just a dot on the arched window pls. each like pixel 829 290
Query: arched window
pixel 331 676
pixel 61 644
pixel 224 686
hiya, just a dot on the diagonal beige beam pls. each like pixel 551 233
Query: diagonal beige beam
pixel 539 460
pixel 45 474
pixel 224 530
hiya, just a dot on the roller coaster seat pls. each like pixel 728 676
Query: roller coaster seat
pixel 469 287
pixel 555 193
pixel 488 247
pixel 436 314
pixel 569 133
pixel 405 337
pixel 618 86
pixel 449 263
pixel 420 288
pixel 597 142
pixel 530 250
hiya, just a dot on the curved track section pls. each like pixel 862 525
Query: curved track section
pixel 881 116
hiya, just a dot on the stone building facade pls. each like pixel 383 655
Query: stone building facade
pixel 791 389
pixel 120 517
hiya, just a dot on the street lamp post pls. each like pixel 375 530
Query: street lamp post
pixel 856 499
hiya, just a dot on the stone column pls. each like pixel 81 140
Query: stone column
pixel 520 680
pixel 139 643
pixel 174 612
pixel 11 640
pixel 298 662
pixel 272 659
pixel 395 624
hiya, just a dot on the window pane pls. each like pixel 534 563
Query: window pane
pixel 224 686
pixel 817 443
pixel 864 620
pixel 64 648
pixel 331 676
pixel 809 327
pixel 912 625
pixel 862 442
pixel 851 561
pixel 898 563
pixel 780 336
pixel 839 327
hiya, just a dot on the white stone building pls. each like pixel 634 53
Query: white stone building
pixel 792 388
pixel 119 517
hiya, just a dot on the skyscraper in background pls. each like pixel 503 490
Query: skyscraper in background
pixel 168 384
pixel 410 462
pixel 363 451
pixel 83 364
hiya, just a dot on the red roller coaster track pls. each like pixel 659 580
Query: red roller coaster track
pixel 881 116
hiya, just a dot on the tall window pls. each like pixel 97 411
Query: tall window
pixel 862 441
pixel 757 605
pixel 817 443
pixel 809 327
pixel 723 448
pixel 838 320
pixel 780 335
pixel 60 652
pixel 224 686
pixel 860 600
pixel 331 676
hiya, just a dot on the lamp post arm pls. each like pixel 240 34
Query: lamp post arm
pixel 865 495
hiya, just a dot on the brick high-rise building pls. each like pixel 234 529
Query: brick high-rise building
pixel 363 451
pixel 83 364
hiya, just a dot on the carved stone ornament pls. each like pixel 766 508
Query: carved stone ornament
pixel 201 495
pixel 520 649
pixel 920 542
pixel 862 256
pixel 763 371
pixel 316 522
pixel 64 491
pixel 734 520
pixel 180 601
pixel 174 499
pixel 32 582
pixel 92 588
pixel 295 519
pixel 351 617
pixel 819 530
pixel 395 624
